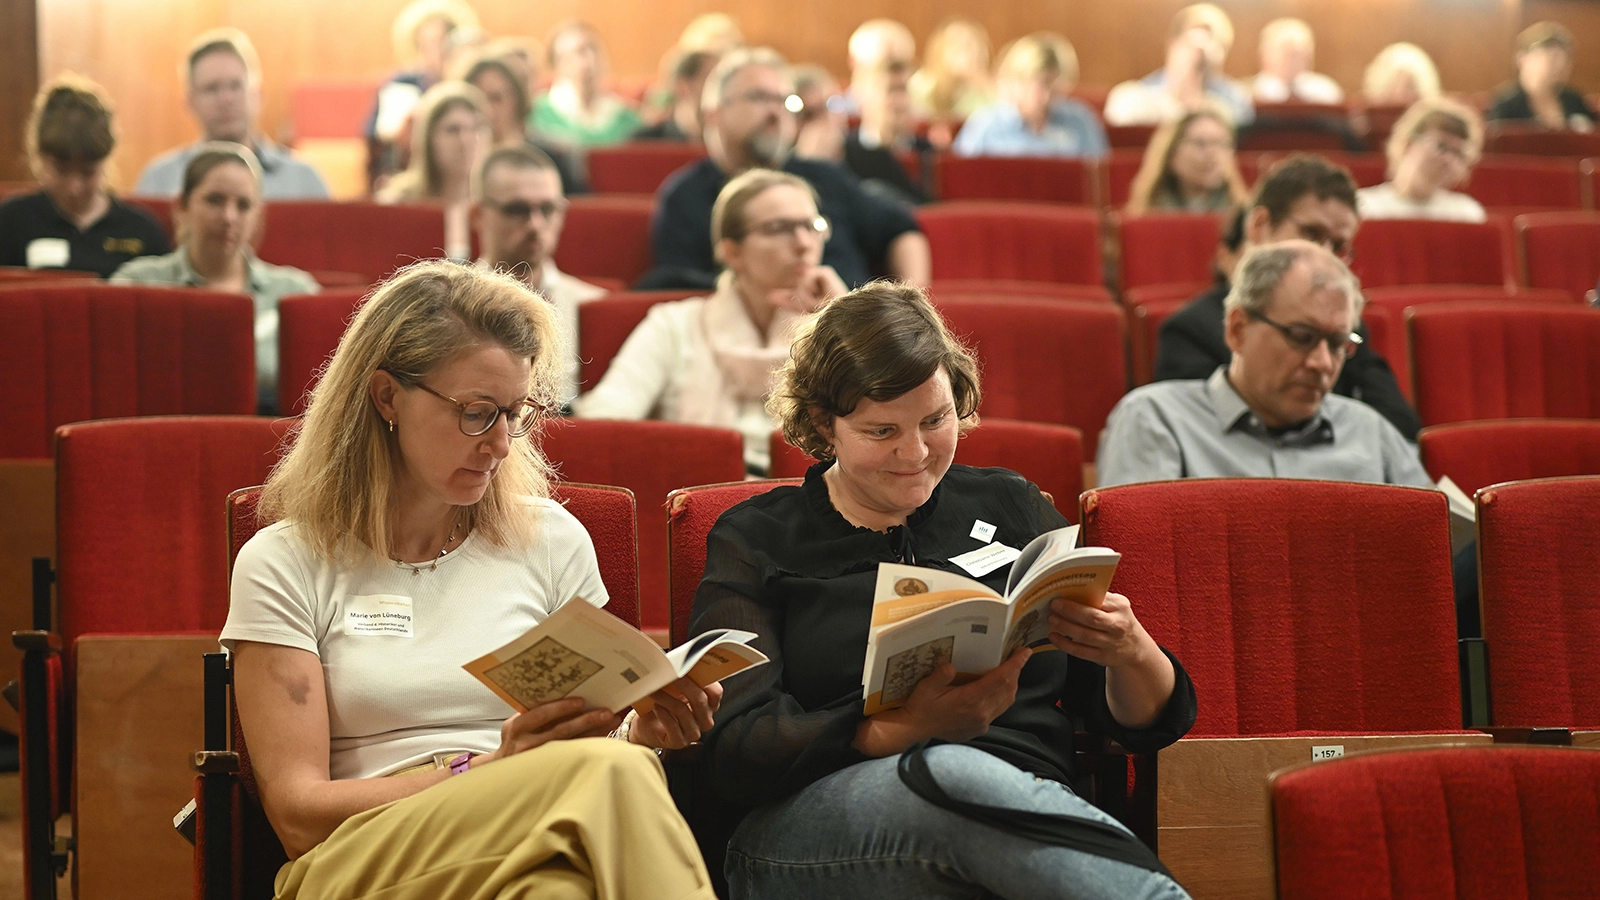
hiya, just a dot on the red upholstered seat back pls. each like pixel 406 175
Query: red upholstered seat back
pixel 73 351
pixel 1459 822
pixel 1411 251
pixel 1539 141
pixel 368 239
pixel 10 275
pixel 638 168
pixel 1294 605
pixel 1117 172
pixel 690 514
pixel 1050 456
pixel 651 459
pixel 1505 360
pixel 1540 588
pixel 139 518
pixel 1167 248
pixel 959 288
pixel 1144 334
pixel 1013 240
pixel 309 329
pixel 605 323
pixel 1478 454
pixel 1526 181
pixel 1561 250
pixel 1052 361
pixel 1366 169
pixel 1016 178
pixel 607 237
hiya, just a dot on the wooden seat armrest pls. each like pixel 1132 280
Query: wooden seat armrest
pixel 41 641
pixel 215 762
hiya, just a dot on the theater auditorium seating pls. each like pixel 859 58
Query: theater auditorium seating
pixel 1478 454
pixel 606 237
pixel 1560 250
pixel 1040 179
pixel 309 329
pixel 1015 241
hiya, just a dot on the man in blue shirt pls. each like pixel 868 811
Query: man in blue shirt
pixel 1033 117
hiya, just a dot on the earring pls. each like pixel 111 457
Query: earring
pixel 391 426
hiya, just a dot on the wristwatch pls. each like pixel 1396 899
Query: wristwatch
pixel 460 764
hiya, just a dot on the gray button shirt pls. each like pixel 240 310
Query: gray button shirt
pixel 283 177
pixel 1203 429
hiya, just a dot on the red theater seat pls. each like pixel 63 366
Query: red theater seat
pixel 331 109
pixel 1366 169
pixel 1013 241
pixel 1129 136
pixel 1144 334
pixel 1051 361
pixel 1526 181
pixel 607 237
pixel 1016 178
pixel 605 323
pixel 87 350
pixel 691 511
pixel 11 275
pixel 1505 360
pixel 369 239
pixel 1167 248
pixel 1456 822
pixel 309 329
pixel 639 167
pixel 1413 251
pixel 1534 141
pixel 1478 454
pixel 980 287
pixel 1560 250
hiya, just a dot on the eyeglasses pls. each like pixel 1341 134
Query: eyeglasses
pixel 479 416
pixel 522 211
pixel 1304 338
pixel 1318 234
pixel 818 226
pixel 790 102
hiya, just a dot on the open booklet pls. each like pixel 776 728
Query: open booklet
pixel 582 651
pixel 1463 515
pixel 923 618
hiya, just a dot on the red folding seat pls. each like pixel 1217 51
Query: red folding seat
pixel 13 275
pixel 1539 141
pixel 639 167
pixel 691 511
pixel 1167 248
pixel 1144 334
pixel 1366 169
pixel 1379 122
pixel 1000 287
pixel 160 209
pixel 1129 136
pixel 331 109
pixel 1296 126
pixel 1560 250
pixel 1540 591
pixel 1505 360
pixel 309 329
pixel 605 323
pixel 1478 454
pixel 1449 822
pixel 608 237
pixel 1415 251
pixel 651 459
pixel 1117 172
pixel 1050 456
pixel 1525 181
pixel 1052 361
pixel 1015 241
pixel 1044 179
pixel 368 239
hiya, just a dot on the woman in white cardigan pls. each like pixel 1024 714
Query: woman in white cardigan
pixel 709 360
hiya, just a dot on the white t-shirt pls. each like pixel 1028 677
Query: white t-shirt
pixel 1382 201
pixel 395 700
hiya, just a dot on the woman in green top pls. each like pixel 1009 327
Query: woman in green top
pixel 218 213
pixel 577 109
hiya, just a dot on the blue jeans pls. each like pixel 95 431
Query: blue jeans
pixel 861 832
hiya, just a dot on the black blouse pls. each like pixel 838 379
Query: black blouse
pixel 787 566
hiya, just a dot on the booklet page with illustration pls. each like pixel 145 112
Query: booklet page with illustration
pixel 923 618
pixel 583 651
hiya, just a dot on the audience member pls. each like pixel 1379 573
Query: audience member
pixel 820 121
pixel 874 44
pixel 953 82
pixel 1400 75
pixel 1290 323
pixel 888 129
pixel 223 86
pixel 1302 197
pixel 421 37
pixel 682 123
pixel 1189 167
pixel 1288 52
pixel 1541 93
pixel 714 33
pixel 1032 116
pixel 72 222
pixel 1197 44
pixel 750 124
pixel 506 107
pixel 1432 149
pixel 577 108
pixel 518 217
pixel 880 391
pixel 218 214
pixel 385 767
pixel 709 360
pixel 450 137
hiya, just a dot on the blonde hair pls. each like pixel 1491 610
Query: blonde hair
pixel 338 480
pixel 1041 53
pixel 1436 114
pixel 1287 28
pixel 947 84
pixel 1401 57
pixel 223 40
pixel 711 33
pixel 422 178
pixel 1155 172
pixel 728 220
pixel 411 19
pixel 1203 15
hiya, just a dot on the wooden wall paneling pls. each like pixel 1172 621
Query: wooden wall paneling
pixel 19 72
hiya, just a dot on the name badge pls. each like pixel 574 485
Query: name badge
pixel 48 253
pixel 982 531
pixel 984 560
pixel 378 614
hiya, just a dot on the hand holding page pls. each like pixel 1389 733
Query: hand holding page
pixel 581 651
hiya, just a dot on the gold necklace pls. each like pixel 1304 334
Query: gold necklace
pixel 416 568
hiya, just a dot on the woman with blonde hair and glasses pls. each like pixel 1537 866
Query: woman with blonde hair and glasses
pixel 449 136
pixel 1432 149
pixel 410 498
pixel 1189 166
pixel 709 360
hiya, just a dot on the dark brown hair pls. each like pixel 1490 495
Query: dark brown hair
pixel 519 87
pixel 211 155
pixel 1301 174
pixel 70 123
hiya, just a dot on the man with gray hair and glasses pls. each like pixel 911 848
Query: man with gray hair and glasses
pixel 1289 321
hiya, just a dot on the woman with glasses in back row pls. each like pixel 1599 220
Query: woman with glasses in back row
pixel 709 360
pixel 1432 149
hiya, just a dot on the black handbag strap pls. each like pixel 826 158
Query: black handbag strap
pixel 1056 829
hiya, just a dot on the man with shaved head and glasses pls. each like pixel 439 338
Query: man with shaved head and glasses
pixel 1308 198
pixel 1289 321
